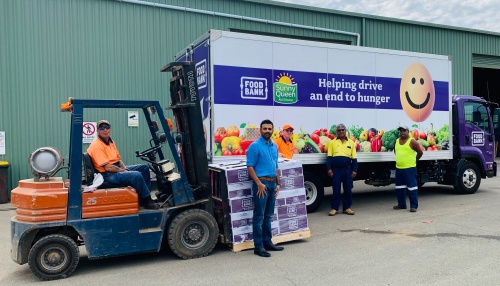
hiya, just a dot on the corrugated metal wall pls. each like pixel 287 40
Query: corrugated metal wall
pixel 54 49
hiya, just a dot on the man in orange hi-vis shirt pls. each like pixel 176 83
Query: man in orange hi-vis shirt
pixel 285 144
pixel 107 161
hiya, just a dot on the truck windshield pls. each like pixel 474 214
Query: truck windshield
pixel 477 115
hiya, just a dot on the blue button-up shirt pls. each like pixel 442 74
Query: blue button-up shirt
pixel 263 157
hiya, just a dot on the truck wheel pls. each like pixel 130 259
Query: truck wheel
pixel 192 234
pixel 468 179
pixel 314 192
pixel 53 257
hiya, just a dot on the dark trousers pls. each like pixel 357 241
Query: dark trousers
pixel 138 177
pixel 263 210
pixel 406 179
pixel 341 176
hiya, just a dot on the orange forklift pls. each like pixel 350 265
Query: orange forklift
pixel 54 217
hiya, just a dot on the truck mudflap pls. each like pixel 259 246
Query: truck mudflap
pixel 492 173
pixel 22 235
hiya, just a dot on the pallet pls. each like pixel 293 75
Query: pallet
pixel 303 234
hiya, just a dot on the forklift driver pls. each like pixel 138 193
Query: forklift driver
pixel 106 160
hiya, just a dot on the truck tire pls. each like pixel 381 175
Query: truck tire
pixel 192 234
pixel 53 257
pixel 468 179
pixel 315 192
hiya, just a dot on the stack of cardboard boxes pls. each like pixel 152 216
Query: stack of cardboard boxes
pixel 290 213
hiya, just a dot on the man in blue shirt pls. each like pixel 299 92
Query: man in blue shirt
pixel 262 165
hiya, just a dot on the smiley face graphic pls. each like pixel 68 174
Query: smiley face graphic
pixel 417 92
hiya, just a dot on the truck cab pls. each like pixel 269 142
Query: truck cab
pixel 474 141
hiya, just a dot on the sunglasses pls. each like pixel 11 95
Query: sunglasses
pixel 104 127
pixel 340 130
pixel 288 130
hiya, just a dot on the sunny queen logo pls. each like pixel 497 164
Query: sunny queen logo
pixel 285 89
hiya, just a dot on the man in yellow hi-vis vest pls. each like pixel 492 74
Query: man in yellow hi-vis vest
pixel 406 169
pixel 342 166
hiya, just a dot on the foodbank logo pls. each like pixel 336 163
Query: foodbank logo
pixel 285 89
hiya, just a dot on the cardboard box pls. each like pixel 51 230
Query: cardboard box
pixel 239 190
pixel 290 211
pixel 241 205
pixel 237 175
pixel 293 224
pixel 241 219
pixel 290 183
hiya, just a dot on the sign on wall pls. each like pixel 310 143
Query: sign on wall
pixel 133 118
pixel 89 132
pixel 2 142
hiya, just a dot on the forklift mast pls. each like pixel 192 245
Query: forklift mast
pixel 191 137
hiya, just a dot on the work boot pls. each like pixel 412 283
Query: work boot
pixel 413 210
pixel 261 252
pixel 272 247
pixel 148 203
pixel 332 212
pixel 349 212
pixel 398 207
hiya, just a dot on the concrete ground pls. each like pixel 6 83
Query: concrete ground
pixel 452 239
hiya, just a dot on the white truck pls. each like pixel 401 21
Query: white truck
pixel 314 86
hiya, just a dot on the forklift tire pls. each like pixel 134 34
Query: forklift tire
pixel 192 234
pixel 468 179
pixel 314 192
pixel 53 257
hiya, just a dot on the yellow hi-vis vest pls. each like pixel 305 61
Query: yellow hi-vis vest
pixel 405 156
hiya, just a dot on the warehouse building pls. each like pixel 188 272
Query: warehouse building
pixel 114 49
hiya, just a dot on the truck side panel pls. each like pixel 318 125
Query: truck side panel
pixel 315 86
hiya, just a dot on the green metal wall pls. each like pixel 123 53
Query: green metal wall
pixel 55 49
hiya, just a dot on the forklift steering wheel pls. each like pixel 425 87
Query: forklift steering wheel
pixel 146 153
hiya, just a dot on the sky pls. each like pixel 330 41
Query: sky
pixel 474 14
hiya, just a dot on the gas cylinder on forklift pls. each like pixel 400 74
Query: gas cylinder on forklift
pixel 54 217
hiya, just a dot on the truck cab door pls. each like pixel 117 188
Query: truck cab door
pixel 479 135
pixel 496 128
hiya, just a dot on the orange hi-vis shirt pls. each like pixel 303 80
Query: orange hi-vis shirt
pixel 285 148
pixel 103 154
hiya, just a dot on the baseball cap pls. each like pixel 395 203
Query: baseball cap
pixel 288 126
pixel 102 122
pixel 403 127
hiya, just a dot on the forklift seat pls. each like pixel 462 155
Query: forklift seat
pixel 89 170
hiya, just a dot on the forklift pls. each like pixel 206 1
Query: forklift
pixel 55 217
